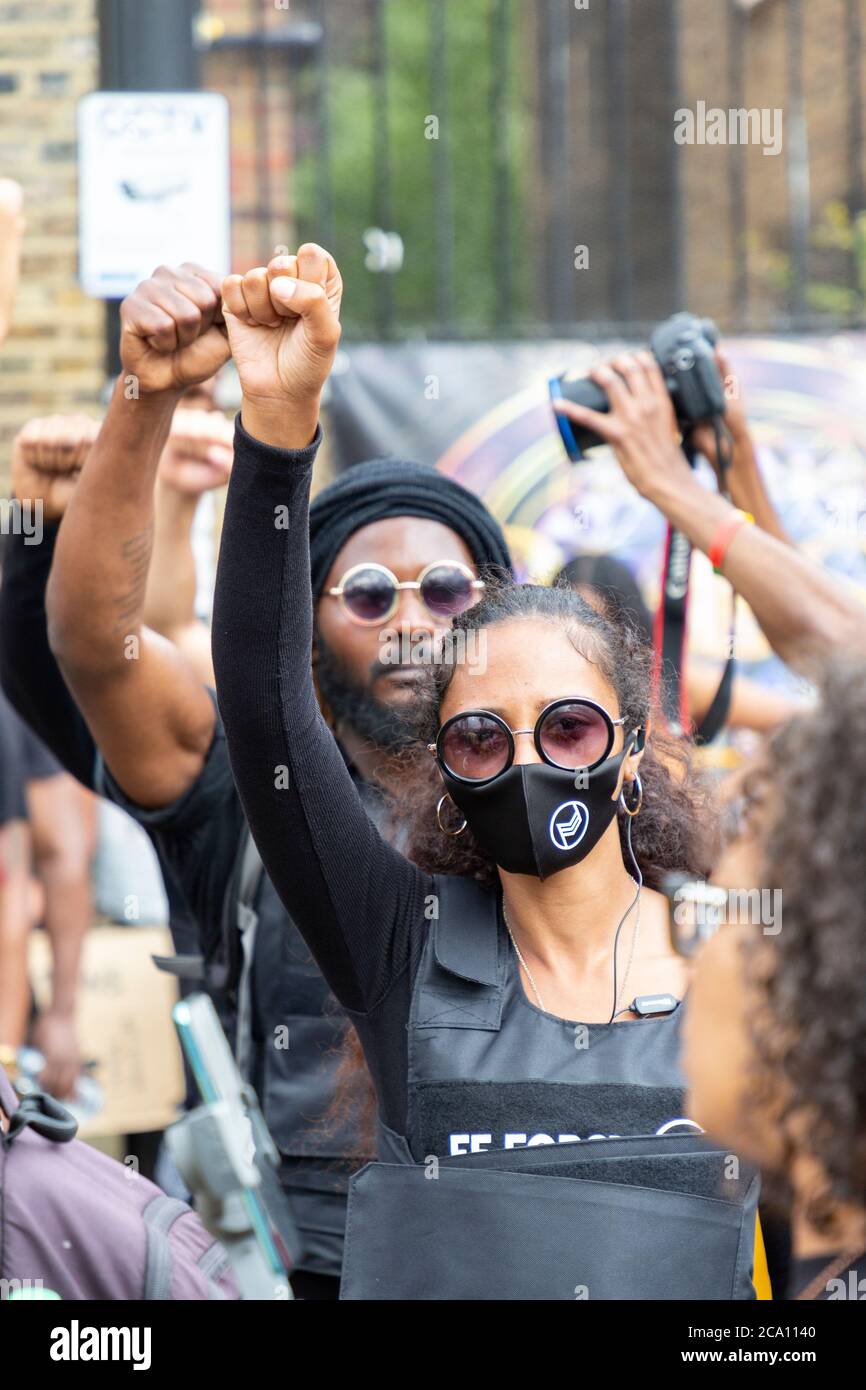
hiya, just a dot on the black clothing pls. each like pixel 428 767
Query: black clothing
pixel 359 901
pixel 196 840
pixel 13 801
pixel 466 1069
pixel 29 673
pixel 23 759
pixel 34 685
pixel 35 762
pixel 389 487
pixel 364 908
pixel 297 1027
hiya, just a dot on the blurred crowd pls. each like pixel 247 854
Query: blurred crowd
pixel 110 707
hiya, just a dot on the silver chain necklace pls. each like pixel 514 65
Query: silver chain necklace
pixel 519 955
pixel 528 972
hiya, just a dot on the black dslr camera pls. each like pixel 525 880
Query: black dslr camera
pixel 684 347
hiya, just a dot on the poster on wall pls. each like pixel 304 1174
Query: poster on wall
pixel 153 186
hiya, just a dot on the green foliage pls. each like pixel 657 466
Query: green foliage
pixel 465 129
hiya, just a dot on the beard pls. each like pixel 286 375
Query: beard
pixel 351 703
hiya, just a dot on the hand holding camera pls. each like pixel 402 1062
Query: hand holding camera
pixel 684 349
pixel 639 422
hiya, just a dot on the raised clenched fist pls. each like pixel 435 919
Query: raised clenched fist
pixel 283 322
pixel 199 452
pixel 172 333
pixel 47 457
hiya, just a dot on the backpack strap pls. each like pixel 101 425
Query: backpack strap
pixel 159 1216
pixel 213 1264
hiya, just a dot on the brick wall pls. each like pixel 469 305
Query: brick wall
pixel 53 359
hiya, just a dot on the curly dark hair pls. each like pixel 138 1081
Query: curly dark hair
pixel 669 834
pixel 809 1033
pixel 672 831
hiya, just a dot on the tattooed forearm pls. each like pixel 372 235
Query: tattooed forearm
pixel 135 554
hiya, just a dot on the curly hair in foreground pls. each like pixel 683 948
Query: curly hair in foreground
pixel 809 1033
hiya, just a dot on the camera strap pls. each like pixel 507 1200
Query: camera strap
pixel 671 630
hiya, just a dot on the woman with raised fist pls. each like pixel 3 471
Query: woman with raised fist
pixel 518 994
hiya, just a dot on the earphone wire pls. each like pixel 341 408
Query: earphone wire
pixel 638 876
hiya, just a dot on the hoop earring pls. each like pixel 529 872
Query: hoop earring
pixel 445 831
pixel 625 806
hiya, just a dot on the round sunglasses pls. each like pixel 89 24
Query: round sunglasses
pixel 369 594
pixel 478 746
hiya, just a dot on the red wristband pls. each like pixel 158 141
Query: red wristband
pixel 723 537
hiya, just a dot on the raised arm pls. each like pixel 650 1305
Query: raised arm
pixel 197 458
pixel 358 902
pixel 805 613
pixel 63 831
pixel 146 707
pixel 745 480
pixel 46 461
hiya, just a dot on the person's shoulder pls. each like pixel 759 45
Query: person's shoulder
pixel 210 796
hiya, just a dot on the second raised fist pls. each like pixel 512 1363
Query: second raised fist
pixel 172 330
pixel 284 325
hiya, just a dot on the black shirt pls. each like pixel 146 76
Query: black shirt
pixel 36 690
pixel 29 673
pixel 359 902
pixel 13 802
pixel 23 759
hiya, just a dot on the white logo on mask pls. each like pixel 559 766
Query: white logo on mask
pixel 568 824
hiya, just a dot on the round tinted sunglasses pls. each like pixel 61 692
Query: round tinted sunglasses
pixel 370 594
pixel 478 746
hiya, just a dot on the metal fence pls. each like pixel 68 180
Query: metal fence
pixel 512 167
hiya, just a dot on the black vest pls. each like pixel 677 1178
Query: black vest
pixel 298 1030
pixel 543 1159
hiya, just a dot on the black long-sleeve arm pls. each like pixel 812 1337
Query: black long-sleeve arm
pixel 29 673
pixel 358 901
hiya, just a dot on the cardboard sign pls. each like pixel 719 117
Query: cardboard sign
pixel 124 1025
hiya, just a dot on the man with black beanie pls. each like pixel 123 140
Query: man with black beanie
pixel 397 548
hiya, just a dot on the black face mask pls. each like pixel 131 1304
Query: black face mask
pixel 537 819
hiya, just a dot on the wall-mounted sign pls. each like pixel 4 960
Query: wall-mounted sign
pixel 153 186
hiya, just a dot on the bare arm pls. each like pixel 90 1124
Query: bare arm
pixel 146 707
pixel 745 480
pixel 196 459
pixel 753 706
pixel 805 613
pixel 63 829
pixel 15 926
